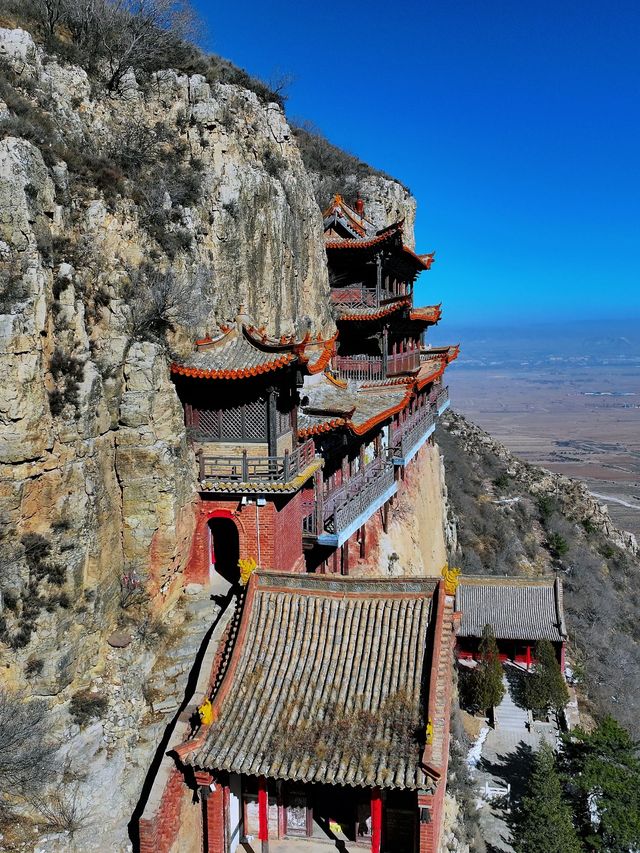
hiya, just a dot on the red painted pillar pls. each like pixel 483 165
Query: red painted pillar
pixel 376 820
pixel 528 657
pixel 263 813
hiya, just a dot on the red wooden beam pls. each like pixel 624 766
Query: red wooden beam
pixel 376 820
pixel 263 810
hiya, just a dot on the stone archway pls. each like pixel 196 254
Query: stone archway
pixel 224 547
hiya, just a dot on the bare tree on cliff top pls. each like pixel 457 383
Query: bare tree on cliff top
pixel 143 35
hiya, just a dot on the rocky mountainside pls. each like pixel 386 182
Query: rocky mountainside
pixel 132 224
pixel 133 221
pixel 515 518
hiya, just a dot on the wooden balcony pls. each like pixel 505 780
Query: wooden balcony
pixel 362 368
pixel 412 434
pixel 259 472
pixel 369 368
pixel 409 437
pixel 349 506
pixel 403 362
pixel 439 397
pixel 359 296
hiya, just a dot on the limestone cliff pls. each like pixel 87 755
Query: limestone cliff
pixel 93 438
pixel 131 224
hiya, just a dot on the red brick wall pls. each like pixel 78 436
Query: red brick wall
pixel 215 818
pixel 288 555
pixel 280 534
pixel 158 833
pixel 431 832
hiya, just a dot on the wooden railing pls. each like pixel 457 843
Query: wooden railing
pixel 359 296
pixel 258 469
pixel 409 433
pixel 368 368
pixel 345 503
pixel 354 296
pixel 403 362
pixel 439 396
pixel 363 368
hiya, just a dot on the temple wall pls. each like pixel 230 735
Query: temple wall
pixel 278 529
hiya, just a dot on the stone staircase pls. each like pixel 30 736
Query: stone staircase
pixel 508 715
pixel 169 679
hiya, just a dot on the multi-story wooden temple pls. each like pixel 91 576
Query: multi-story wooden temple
pixel 331 695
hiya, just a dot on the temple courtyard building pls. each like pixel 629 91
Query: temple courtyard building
pixel 330 722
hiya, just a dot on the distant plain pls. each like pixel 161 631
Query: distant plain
pixel 568 400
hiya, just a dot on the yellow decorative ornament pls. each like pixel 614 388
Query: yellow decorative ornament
pixel 451 579
pixel 429 732
pixel 206 712
pixel 247 568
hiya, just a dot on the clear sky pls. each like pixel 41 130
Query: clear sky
pixel 516 125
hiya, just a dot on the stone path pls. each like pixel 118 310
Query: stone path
pixel 168 682
pixel 505 759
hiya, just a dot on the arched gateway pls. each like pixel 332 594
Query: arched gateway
pixel 224 547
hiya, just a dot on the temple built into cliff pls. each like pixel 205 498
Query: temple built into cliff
pixel 331 692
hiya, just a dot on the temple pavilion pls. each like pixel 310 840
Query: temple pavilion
pixel 330 720
pixel 331 692
pixel 301 444
pixel 521 611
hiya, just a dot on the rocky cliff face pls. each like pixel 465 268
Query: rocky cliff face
pixel 92 262
pixel 130 225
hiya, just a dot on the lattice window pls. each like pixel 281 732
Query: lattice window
pixel 209 422
pixel 255 420
pixel 231 423
pixel 247 422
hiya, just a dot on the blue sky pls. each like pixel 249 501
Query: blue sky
pixel 515 124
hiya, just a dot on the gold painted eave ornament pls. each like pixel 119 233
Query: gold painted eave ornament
pixel 451 579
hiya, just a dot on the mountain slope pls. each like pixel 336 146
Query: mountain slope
pixel 515 519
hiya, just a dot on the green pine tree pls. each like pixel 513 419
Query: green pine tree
pixel 487 684
pixel 542 821
pixel 603 768
pixel 546 688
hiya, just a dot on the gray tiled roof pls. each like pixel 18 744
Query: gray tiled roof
pixel 516 608
pixel 310 645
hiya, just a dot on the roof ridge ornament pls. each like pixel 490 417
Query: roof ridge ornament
pixel 451 578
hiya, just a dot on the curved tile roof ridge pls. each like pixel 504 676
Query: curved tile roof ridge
pixel 244 352
pixel 364 242
pixel 426 313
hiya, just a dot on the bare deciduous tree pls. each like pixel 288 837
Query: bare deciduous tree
pixel 27 754
pixel 138 34
pixel 158 302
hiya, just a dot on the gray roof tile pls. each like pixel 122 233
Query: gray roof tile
pixel 516 608
pixel 321 680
